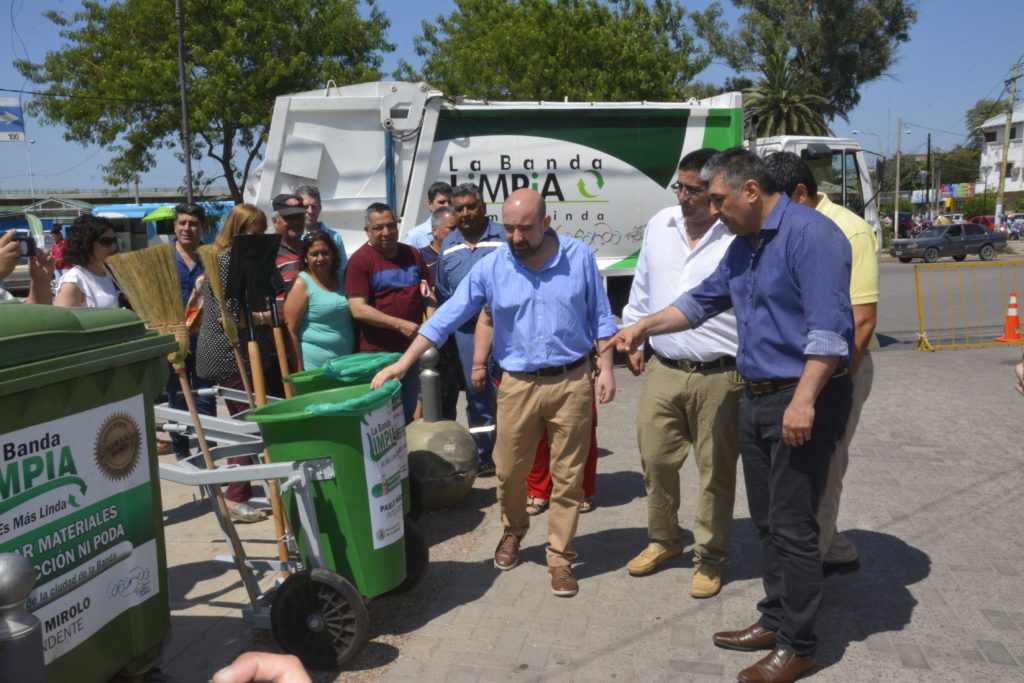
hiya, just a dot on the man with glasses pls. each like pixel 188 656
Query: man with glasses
pixel 692 392
pixel 476 237
pixel 310 196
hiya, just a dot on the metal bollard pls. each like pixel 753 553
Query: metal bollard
pixel 21 639
pixel 430 385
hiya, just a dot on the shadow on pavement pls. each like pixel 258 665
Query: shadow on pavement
pixel 875 599
pixel 619 488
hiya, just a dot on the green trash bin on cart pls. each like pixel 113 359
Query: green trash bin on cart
pixel 359 512
pixel 343 371
pixel 79 488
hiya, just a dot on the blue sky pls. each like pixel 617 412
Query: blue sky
pixel 958 53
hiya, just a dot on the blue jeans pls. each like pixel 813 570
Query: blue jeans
pixel 410 392
pixel 784 485
pixel 480 405
pixel 206 405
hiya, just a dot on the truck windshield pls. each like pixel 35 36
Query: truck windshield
pixel 839 177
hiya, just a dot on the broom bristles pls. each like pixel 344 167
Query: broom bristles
pixel 149 278
pixel 209 256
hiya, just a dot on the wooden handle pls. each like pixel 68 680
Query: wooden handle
pixel 246 382
pixel 260 390
pixel 236 544
pixel 282 361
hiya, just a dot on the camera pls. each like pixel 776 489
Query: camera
pixel 28 244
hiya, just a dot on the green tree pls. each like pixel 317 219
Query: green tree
pixel 958 165
pixel 981 112
pixel 834 45
pixel 115 81
pixel 550 49
pixel 781 104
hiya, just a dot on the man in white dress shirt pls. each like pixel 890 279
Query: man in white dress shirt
pixel 692 393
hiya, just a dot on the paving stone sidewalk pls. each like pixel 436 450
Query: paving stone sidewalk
pixel 932 500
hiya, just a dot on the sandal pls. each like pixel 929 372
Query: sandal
pixel 587 505
pixel 535 505
pixel 246 513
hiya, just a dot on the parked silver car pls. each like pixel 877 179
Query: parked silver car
pixel 956 240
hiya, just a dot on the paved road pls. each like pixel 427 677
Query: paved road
pixel 932 500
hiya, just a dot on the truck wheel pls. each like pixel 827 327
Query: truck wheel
pixel 319 617
pixel 987 252
pixel 931 255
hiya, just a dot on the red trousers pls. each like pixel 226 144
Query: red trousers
pixel 538 483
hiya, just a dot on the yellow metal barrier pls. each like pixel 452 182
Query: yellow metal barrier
pixel 951 288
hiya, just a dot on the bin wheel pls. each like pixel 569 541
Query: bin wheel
pixel 319 617
pixel 417 556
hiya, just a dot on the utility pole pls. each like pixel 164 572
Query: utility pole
pixel 1012 82
pixel 186 139
pixel 927 187
pixel 896 195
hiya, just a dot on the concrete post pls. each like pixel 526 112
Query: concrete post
pixel 21 638
pixel 430 385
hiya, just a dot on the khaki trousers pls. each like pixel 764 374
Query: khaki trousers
pixel 834 546
pixel 679 410
pixel 528 406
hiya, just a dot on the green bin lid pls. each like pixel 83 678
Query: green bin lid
pixel 44 344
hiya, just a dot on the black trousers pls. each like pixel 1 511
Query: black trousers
pixel 784 485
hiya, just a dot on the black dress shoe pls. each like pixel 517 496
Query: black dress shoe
pixel 754 637
pixel 830 568
pixel 779 666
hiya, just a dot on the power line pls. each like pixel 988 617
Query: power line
pixel 79 97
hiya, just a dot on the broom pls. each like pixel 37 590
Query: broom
pixel 149 278
pixel 209 256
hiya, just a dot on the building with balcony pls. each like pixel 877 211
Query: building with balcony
pixel 994 130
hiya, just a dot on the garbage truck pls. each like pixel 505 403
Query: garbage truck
pixel 604 168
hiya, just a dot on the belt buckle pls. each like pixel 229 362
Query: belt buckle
pixel 688 366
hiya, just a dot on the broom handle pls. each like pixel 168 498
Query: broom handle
pixel 246 382
pixel 260 388
pixel 236 545
pixel 282 361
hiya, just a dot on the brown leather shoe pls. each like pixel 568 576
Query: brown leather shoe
pixel 563 583
pixel 778 666
pixel 506 555
pixel 753 637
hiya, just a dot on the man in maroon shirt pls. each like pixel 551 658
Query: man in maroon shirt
pixel 389 291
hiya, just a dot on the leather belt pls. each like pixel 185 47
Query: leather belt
pixel 696 366
pixel 769 385
pixel 553 371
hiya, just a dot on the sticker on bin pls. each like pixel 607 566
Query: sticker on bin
pixel 386 463
pixel 76 502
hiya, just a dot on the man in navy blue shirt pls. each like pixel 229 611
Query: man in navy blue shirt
pixel 787 275
pixel 476 237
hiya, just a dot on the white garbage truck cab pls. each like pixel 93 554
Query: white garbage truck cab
pixel 604 168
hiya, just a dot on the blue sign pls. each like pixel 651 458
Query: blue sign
pixel 12 123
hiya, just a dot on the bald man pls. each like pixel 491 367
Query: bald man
pixel 549 308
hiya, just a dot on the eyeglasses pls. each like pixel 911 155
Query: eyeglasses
pixel 688 190
pixel 106 241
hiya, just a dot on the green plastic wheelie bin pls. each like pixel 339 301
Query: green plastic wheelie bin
pixel 79 488
pixel 359 512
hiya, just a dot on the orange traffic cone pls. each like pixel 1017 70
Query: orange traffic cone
pixel 1011 331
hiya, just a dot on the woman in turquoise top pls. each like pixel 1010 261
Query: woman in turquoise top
pixel 316 310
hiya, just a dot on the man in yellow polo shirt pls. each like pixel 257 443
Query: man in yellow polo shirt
pixel 794 177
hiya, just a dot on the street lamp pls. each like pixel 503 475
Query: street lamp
pixel 31 181
pixel 877 137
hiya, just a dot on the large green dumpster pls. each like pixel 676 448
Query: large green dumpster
pixel 360 510
pixel 79 491
pixel 344 371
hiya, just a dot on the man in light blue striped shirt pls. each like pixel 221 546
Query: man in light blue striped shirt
pixel 549 307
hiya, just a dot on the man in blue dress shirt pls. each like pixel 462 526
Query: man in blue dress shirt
pixel 549 308
pixel 787 275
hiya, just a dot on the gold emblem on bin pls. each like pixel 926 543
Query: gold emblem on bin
pixel 118 446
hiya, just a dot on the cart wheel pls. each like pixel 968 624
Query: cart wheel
pixel 417 556
pixel 320 618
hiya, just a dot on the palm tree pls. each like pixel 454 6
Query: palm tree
pixel 781 103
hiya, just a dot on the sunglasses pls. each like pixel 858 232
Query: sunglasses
pixel 107 241
pixel 314 233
